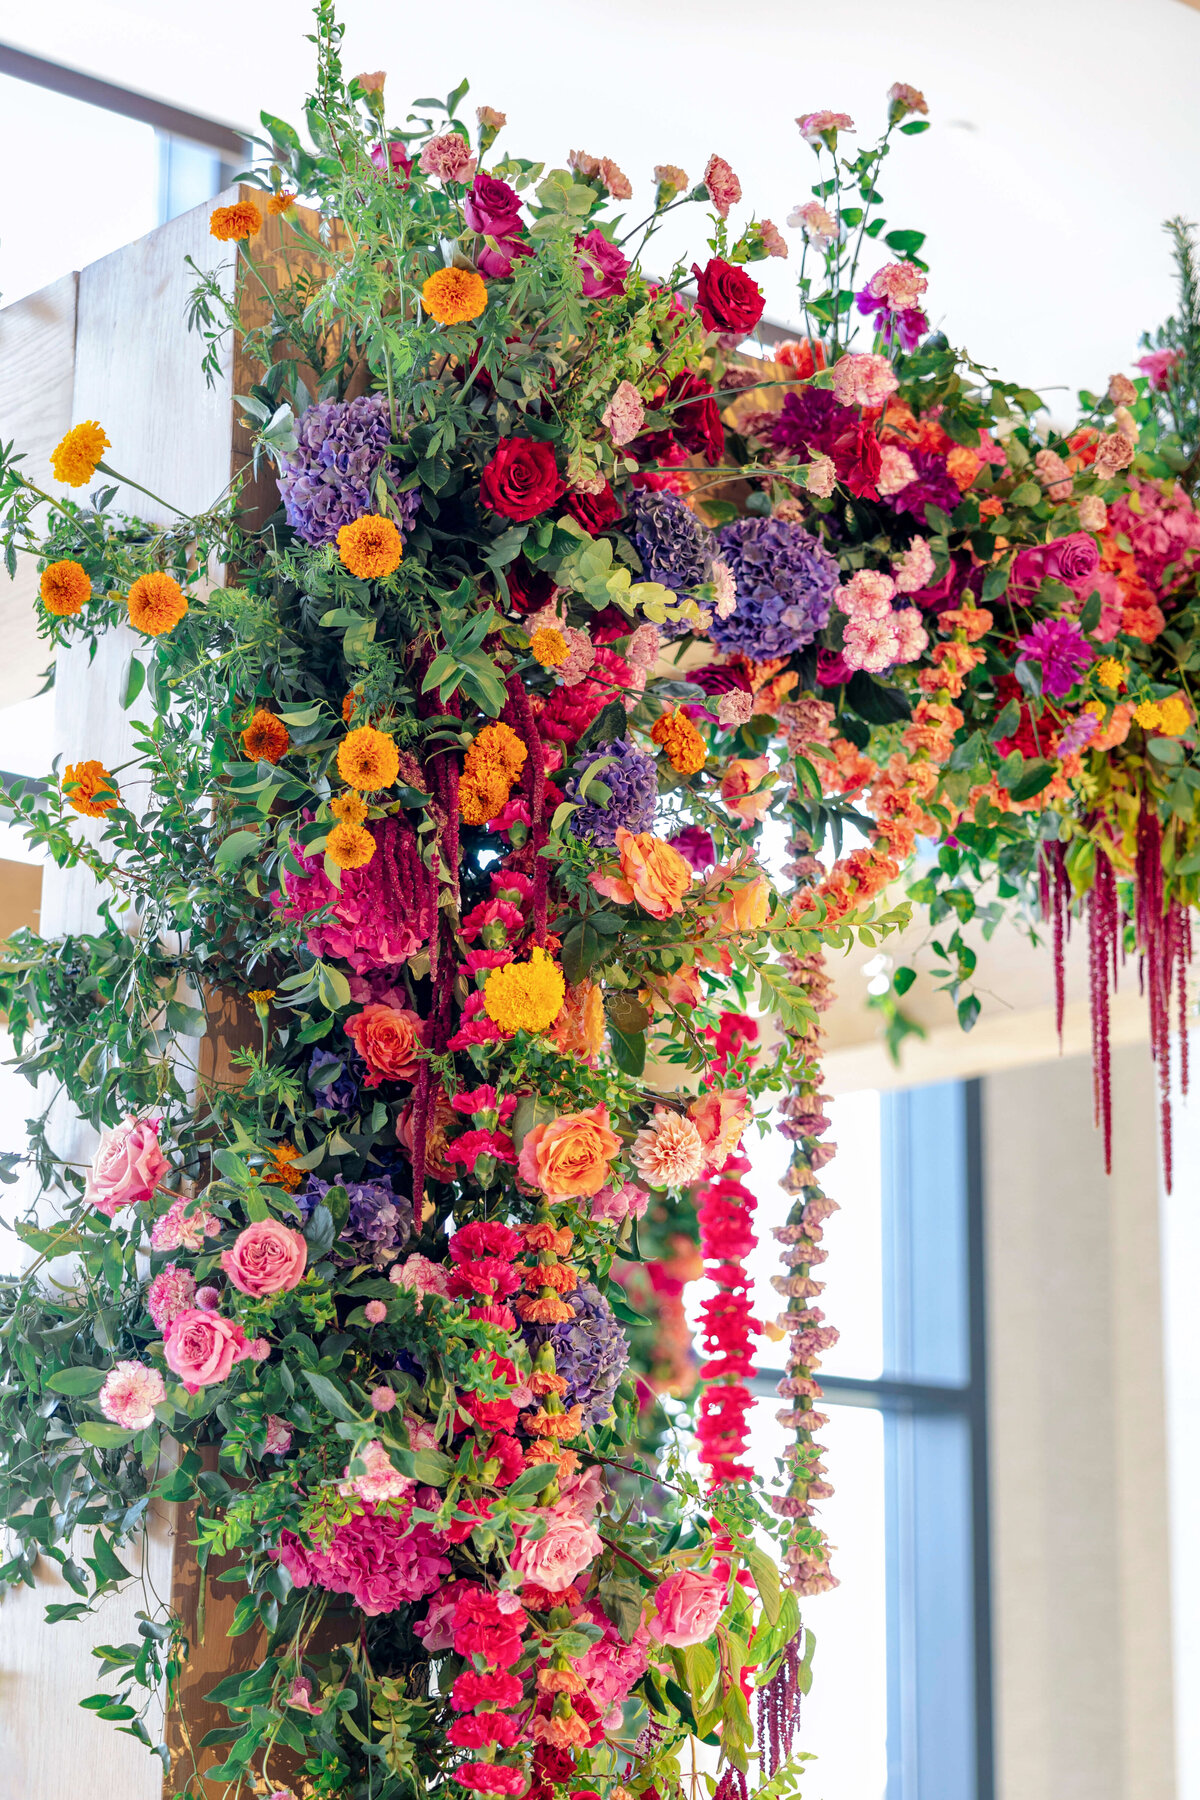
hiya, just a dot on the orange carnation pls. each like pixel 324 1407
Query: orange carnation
pixel 241 220
pixel 570 1156
pixel 90 789
pixel 652 873
pixel 156 603
pixel 370 547
pixel 452 296
pixel 265 738
pixel 66 588
pixel 685 748
pixel 368 759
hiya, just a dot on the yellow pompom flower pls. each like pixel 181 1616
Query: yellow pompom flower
pixel 548 647
pixel 66 588
pixel 368 759
pixel 90 789
pixel 156 603
pixel 349 846
pixel 350 808
pixel 452 296
pixel 1148 715
pixel 370 547
pixel 685 748
pixel 525 996
pixel 1173 715
pixel 1111 673
pixel 241 220
pixel 74 460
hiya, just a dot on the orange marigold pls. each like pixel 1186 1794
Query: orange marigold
pixel 350 808
pixel 90 789
pixel 368 759
pixel 499 744
pixel 241 220
pixel 685 748
pixel 349 846
pixel 66 588
pixel 483 797
pixel 493 762
pixel 156 603
pixel 282 202
pixel 74 460
pixel 279 1170
pixel 265 738
pixel 452 296
pixel 370 547
pixel 548 647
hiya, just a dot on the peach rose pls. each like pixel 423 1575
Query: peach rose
pixel 202 1347
pixel 568 1548
pixel 386 1037
pixel 720 1119
pixel 746 787
pixel 128 1166
pixel 744 905
pixel 570 1157
pixel 687 1607
pixel 266 1258
pixel 652 873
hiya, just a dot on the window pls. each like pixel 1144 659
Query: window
pixel 901 1701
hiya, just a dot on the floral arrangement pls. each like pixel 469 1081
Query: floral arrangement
pixel 490 794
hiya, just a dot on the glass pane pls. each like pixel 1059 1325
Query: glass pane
pixel 844 1719
pixel 26 747
pixel 926 1309
pixel 96 185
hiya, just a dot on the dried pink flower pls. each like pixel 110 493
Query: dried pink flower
pixel 724 188
pixel 448 158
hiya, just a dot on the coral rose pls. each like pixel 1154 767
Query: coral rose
pixel 386 1037
pixel 720 1119
pixel 202 1347
pixel 570 1157
pixel 569 1546
pixel 128 1166
pixel 687 1607
pixel 744 907
pixel 652 873
pixel 267 1258
pixel 746 787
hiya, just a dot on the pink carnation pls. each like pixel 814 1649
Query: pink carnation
pixel 630 1202
pixel 130 1394
pixel 820 477
pixel 624 415
pixel 382 1480
pixel 735 707
pixel 867 595
pixel 279 1435
pixel 871 644
pixel 611 1666
pixel 448 158
pixel 644 647
pixel 170 1293
pixel 421 1275
pixel 724 188
pixel 896 470
pixel 1157 367
pixel 911 634
pixel 818 126
pixel 818 225
pixel 913 568
pixel 581 656
pixel 898 285
pixel 1093 514
pixel 184 1225
pixel 863 380
pixel 772 242
pixel 128 1166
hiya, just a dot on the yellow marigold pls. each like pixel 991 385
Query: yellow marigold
pixel 452 296
pixel 265 738
pixel 685 748
pixel 156 603
pixel 349 808
pixel 493 762
pixel 1174 717
pixel 370 547
pixel 1148 715
pixel 281 202
pixel 75 459
pixel 66 589
pixel 1111 673
pixel 260 996
pixel 350 846
pixel 368 759
pixel 90 789
pixel 484 796
pixel 279 1170
pixel 548 647
pixel 498 744
pixel 525 996
pixel 241 220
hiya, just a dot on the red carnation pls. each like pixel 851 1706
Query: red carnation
pixel 697 422
pixel 522 478
pixel 474 1730
pixel 857 459
pixel 508 1453
pixel 595 511
pixel 487 1238
pixel 726 298
pixel 495 1687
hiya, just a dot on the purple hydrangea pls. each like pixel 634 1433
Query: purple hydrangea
pixel 331 1082
pixel 327 481
pixel 590 1352
pixel 785 584
pixel 674 547
pixel 379 1222
pixel 632 781
pixel 1063 651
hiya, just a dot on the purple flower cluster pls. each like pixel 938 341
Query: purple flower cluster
pixel 811 420
pixel 632 782
pixel 1063 651
pixel 331 1081
pixel 933 487
pixel 380 1220
pixel 673 545
pixel 785 583
pixel 327 481
pixel 590 1351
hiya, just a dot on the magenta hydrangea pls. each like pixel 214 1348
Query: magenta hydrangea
pixel 379 918
pixel 375 1558
pixel 1164 533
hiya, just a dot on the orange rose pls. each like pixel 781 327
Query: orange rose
pixel 579 1028
pixel 570 1157
pixel 743 789
pixel 387 1038
pixel 720 1119
pixel 744 905
pixel 652 873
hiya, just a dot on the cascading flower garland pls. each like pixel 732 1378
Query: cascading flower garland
pixel 455 807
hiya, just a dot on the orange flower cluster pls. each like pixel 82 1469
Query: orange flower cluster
pixel 952 663
pixel 282 202
pixel 279 1171
pixel 90 789
pixel 492 765
pixel 934 724
pixel 230 223
pixel 266 738
pixel 368 759
pixel 685 748
pixel 453 296
pixel 1141 615
pixel 370 547
pixel 851 883
pixel 349 846
pixel 66 588
pixel 156 603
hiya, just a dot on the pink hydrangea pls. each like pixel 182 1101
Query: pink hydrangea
pixel 871 644
pixel 171 1292
pixel 611 1666
pixel 820 477
pixel 130 1394
pixel 382 1480
pixel 127 1168
pixel 184 1225
pixel 818 225
pixel 374 1558
pixel 448 158
pixel 379 918
pixel 863 379
pixel 913 568
pixel 911 634
pixel 898 285
pixel 624 415
pixel 823 127
pixel 896 470
pixel 867 595
pixel 1163 533
pixel 724 188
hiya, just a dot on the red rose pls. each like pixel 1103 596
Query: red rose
pixel 521 480
pixel 857 460
pixel 595 511
pixel 697 422
pixel 726 298
pixel 528 588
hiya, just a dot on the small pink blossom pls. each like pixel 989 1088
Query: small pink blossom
pixel 130 1394
pixel 896 470
pixel 208 1299
pixel 724 188
pixel 867 595
pixel 375 1312
pixel 735 707
pixel 911 634
pixel 899 285
pixel 772 241
pixel 624 415
pixel 299 1695
pixel 448 158
pixel 604 170
pixel 823 127
pixel 904 99
pixel 1121 390
pixel 913 568
pixel 863 380
pixel 871 644
pixel 581 654
pixel 818 225
pixel 644 647
pixel 383 1399
pixel 171 1292
pixel 1093 514
pixel 279 1435
pixel 184 1225
pixel 1113 453
pixel 820 477
pixel 421 1276
pixel 382 1480
pixel 630 1201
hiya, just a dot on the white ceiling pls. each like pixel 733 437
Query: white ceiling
pixel 1064 130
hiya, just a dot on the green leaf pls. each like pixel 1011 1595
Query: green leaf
pixel 281 133
pixel 134 682
pixel 77 1381
pixel 104 1437
pixel 968 1011
pixel 332 987
pixel 582 948
pixel 1034 777
pixel 903 979
pixel 319 1233
pixel 331 1396
pixel 766 1579
pixel 233 850
pixel 877 704
pixel 629 1052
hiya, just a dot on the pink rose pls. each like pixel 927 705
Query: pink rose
pixel 202 1348
pixel 128 1166
pixel 687 1607
pixel 568 1548
pixel 604 268
pixel 720 1119
pixel 266 1258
